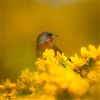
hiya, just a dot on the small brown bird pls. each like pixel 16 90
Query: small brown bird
pixel 44 41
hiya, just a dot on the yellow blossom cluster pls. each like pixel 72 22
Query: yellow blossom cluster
pixel 58 78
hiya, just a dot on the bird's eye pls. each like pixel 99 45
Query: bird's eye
pixel 49 34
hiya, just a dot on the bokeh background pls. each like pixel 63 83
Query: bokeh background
pixel 76 22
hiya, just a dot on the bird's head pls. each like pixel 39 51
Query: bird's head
pixel 45 40
pixel 45 37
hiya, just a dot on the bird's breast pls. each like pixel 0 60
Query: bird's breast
pixel 42 47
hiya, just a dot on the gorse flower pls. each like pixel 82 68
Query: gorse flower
pixel 7 90
pixel 91 52
pixel 58 78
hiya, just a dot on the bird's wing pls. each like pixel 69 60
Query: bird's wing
pixel 57 49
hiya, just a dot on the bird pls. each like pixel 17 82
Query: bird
pixel 45 40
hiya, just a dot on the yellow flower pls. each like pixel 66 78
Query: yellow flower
pixel 78 86
pixel 25 77
pixel 45 97
pixel 98 51
pixel 8 90
pixel 60 56
pixel 41 64
pixel 50 88
pixel 85 52
pixel 97 66
pixel 92 75
pixel 2 87
pixel 77 62
pixel 9 84
pixel 67 77
pixel 49 54
pixel 91 53
pixel 55 74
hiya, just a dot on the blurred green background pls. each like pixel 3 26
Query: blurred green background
pixel 76 23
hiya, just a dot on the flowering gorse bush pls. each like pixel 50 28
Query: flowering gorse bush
pixel 58 78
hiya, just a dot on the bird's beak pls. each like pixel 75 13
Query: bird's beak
pixel 54 36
